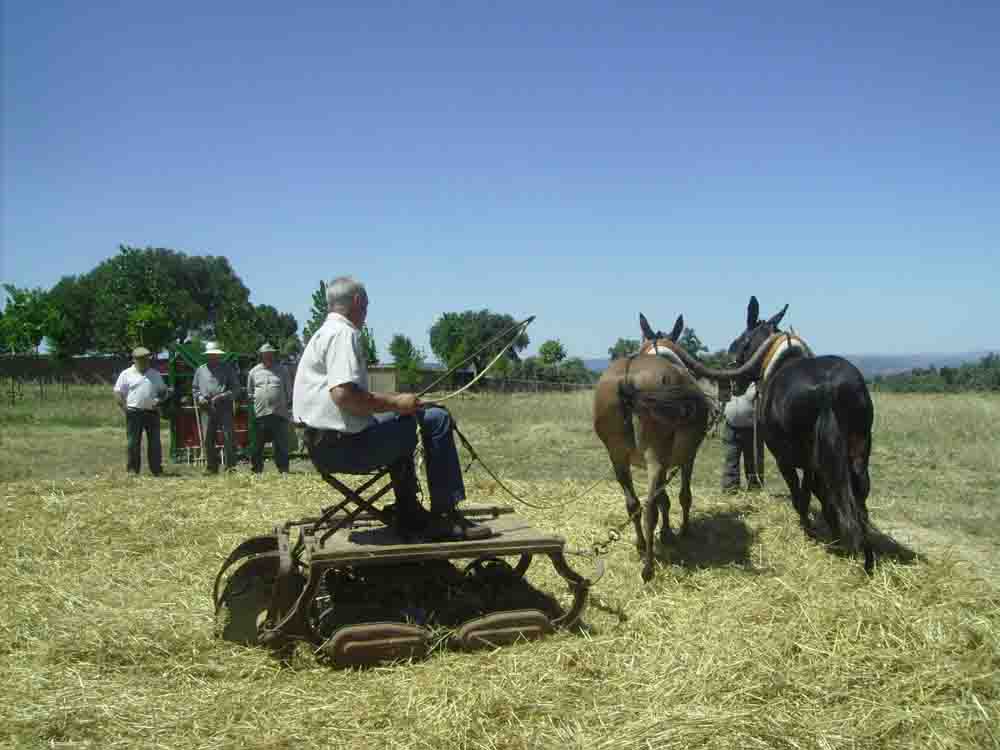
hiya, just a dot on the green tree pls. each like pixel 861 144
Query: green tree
pixel 623 348
pixel 552 352
pixel 690 342
pixel 573 370
pixel 200 295
pixel 150 326
pixel 409 360
pixel 455 336
pixel 71 328
pixel 273 327
pixel 368 342
pixel 27 316
pixel 719 359
pixel 320 309
pixel 235 329
pixel 291 347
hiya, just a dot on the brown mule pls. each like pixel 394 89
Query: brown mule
pixel 649 411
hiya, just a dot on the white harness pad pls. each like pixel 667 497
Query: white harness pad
pixel 786 347
pixel 667 353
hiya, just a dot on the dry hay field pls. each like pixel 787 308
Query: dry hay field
pixel 750 636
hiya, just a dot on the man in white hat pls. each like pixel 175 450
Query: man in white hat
pixel 139 391
pixel 214 389
pixel 270 392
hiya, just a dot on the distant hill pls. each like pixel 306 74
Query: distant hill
pixel 891 364
pixel 874 364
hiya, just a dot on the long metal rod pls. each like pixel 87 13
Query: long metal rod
pixel 523 324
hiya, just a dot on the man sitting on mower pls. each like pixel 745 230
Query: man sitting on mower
pixel 347 429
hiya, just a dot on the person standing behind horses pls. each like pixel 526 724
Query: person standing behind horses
pixel 348 429
pixel 270 392
pixel 139 391
pixel 214 389
pixel 738 439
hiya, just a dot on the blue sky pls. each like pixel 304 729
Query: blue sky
pixel 581 162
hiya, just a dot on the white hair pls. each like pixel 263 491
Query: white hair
pixel 341 292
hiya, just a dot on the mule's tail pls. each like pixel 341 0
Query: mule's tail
pixel 831 462
pixel 679 405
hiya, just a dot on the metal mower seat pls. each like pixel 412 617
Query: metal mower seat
pixel 354 505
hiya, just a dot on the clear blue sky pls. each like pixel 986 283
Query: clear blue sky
pixel 580 161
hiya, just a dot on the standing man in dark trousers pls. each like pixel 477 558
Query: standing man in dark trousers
pixel 214 390
pixel 139 391
pixel 739 437
pixel 270 392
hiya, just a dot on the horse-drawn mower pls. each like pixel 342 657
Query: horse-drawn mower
pixel 346 583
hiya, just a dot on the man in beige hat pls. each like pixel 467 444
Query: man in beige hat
pixel 214 389
pixel 270 391
pixel 139 391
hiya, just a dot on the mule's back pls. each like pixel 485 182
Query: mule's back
pixel 649 402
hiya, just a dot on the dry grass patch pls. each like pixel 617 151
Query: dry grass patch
pixel 750 636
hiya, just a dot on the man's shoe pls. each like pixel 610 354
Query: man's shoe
pixel 454 527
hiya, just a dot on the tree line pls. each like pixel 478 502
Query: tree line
pixel 983 375
pixel 143 296
pixel 156 297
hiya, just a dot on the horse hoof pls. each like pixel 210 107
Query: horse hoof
pixel 647 574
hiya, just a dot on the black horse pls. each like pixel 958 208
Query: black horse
pixel 816 415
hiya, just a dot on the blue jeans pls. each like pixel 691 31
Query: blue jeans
pixel 389 440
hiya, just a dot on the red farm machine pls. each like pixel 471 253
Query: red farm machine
pixel 178 371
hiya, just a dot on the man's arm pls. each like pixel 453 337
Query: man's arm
pixel 286 383
pixel 231 384
pixel 120 390
pixel 365 403
pixel 195 388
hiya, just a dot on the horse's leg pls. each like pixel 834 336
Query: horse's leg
pixel 685 495
pixel 657 474
pixel 800 492
pixel 663 501
pixel 623 473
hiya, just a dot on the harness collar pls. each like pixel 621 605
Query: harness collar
pixel 782 345
pixel 663 348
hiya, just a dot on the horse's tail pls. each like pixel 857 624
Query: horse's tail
pixel 679 405
pixel 832 464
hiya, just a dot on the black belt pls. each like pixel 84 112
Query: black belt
pixel 316 433
pixel 143 411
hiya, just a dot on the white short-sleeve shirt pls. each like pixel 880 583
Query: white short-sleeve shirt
pixel 140 389
pixel 335 355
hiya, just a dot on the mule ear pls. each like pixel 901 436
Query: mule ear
pixel 647 330
pixel 678 328
pixel 777 318
pixel 753 311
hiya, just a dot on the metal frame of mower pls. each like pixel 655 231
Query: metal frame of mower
pixel 268 590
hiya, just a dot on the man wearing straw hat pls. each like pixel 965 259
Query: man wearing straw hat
pixel 349 428
pixel 270 392
pixel 139 391
pixel 214 389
